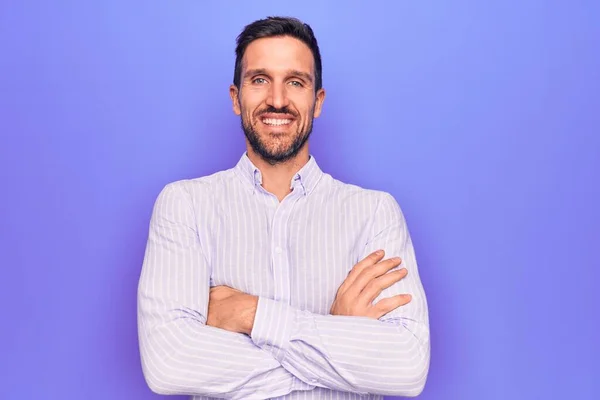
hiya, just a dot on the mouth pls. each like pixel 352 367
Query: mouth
pixel 277 120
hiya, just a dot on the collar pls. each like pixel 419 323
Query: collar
pixel 307 177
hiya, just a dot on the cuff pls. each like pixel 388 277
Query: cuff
pixel 272 328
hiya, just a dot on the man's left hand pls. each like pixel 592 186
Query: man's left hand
pixel 231 309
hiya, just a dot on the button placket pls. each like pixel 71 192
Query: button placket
pixel 280 257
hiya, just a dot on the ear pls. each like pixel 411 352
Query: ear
pixel 234 94
pixel 319 102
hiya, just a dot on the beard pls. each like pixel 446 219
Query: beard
pixel 266 152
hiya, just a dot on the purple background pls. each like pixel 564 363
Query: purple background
pixel 481 119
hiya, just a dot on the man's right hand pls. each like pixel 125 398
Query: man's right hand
pixel 364 283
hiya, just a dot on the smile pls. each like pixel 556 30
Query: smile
pixel 276 122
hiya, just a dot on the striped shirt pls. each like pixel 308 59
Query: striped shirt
pixel 226 229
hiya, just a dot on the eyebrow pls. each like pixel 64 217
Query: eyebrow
pixel 294 72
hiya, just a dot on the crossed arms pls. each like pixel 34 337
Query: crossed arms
pixel 361 347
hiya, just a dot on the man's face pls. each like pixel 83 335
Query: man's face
pixel 276 99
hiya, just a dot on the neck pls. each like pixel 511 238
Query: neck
pixel 276 178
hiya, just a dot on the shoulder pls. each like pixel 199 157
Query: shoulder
pixel 376 200
pixel 196 190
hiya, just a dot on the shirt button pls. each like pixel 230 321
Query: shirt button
pixel 278 250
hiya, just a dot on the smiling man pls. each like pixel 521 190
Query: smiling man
pixel 272 279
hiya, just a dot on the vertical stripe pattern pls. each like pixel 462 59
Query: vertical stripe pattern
pixel 225 229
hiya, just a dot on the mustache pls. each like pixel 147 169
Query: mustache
pixel 282 110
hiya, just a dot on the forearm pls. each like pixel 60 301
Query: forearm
pixel 186 357
pixel 354 354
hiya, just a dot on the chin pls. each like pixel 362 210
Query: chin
pixel 277 140
pixel 277 132
pixel 277 151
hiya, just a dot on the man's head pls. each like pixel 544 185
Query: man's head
pixel 277 86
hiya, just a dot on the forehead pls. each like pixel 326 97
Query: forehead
pixel 279 54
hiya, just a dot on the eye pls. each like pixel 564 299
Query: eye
pixel 296 83
pixel 259 81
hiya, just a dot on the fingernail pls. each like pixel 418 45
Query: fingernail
pixel 379 252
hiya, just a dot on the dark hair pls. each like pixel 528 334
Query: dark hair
pixel 277 26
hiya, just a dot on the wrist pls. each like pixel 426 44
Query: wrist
pixel 248 313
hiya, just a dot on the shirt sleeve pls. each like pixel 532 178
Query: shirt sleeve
pixel 180 354
pixel 389 356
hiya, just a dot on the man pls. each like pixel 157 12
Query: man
pixel 263 281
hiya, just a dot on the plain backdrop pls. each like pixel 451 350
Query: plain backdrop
pixel 481 118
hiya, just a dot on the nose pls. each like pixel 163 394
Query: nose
pixel 277 96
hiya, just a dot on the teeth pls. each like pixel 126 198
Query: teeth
pixel 276 122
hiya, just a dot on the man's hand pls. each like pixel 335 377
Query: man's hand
pixel 364 283
pixel 231 309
